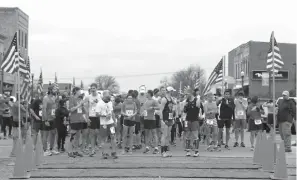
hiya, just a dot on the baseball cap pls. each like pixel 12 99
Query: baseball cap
pixel 286 93
pixel 169 88
pixel 142 89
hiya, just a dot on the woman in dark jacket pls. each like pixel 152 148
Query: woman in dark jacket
pixel 61 120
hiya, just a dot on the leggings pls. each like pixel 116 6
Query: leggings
pixel 6 121
pixel 62 131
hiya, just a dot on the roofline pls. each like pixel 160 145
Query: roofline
pixel 14 9
pixel 268 42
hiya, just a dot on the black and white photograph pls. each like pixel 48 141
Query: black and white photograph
pixel 148 89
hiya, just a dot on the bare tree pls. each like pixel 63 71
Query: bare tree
pixel 106 82
pixel 188 77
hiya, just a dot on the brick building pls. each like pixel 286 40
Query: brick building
pixel 249 60
pixel 12 20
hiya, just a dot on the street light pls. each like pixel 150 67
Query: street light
pixel 242 77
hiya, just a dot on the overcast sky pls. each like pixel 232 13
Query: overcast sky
pixel 92 37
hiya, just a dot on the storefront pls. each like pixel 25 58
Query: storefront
pixel 247 63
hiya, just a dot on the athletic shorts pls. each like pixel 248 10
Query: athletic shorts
pixel 129 123
pixel 37 126
pixel 149 124
pixel 78 126
pixel 158 122
pixel 191 125
pixel 224 123
pixel 240 123
pixel 106 130
pixel 95 123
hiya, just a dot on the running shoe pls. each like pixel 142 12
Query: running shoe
pixel 47 153
pixel 54 152
pixel 196 154
pixel 156 151
pixel 252 148
pixel 242 144
pixel 227 147
pixel 92 153
pixel 188 154
pixel 71 154
pixel 78 154
pixel 114 155
pixel 236 144
pixel 147 150
pixel 104 155
pixel 169 154
pixel 165 155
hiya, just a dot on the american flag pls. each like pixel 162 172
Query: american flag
pixel 12 61
pixel 185 89
pixel 215 77
pixel 25 88
pixel 56 85
pixel 278 63
pixel 197 82
pixel 40 83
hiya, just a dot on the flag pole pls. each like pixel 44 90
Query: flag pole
pixel 223 74
pixel 19 98
pixel 273 96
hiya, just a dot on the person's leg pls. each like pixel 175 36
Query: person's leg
pixel 92 136
pixel 59 132
pixel 252 139
pixel 45 135
pixel 172 133
pixel 34 132
pixel 207 133
pixel 220 134
pixel 124 136
pixel 155 136
pixel 215 135
pixel 228 126
pixel 15 136
pixel 280 129
pixel 3 127
pixel 242 126
pixel 84 138
pixel 131 130
pixel 63 134
pixel 287 135
pixel 237 131
pixel 10 126
pixel 163 139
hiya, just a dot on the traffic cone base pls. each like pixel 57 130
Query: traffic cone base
pixel 19 171
pixel 29 153
pixel 268 159
pixel 280 169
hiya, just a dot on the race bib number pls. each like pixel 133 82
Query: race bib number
pixel 170 116
pixel 144 113
pixel 93 112
pixel 186 123
pixel 258 121
pixel 79 110
pixel 129 112
pixel 112 130
pixel 240 113
pixel 209 121
pixel 40 113
pixel 53 112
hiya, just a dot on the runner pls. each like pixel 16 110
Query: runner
pixel 158 98
pixel 48 126
pixel 129 110
pixel 150 107
pixel 78 120
pixel 226 112
pixel 210 110
pixel 240 119
pixel 92 101
pixel 255 120
pixel 166 110
pixel 5 113
pixel 139 129
pixel 62 114
pixel 36 112
pixel 117 108
pixel 107 127
pixel 191 124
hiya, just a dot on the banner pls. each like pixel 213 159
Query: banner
pixel 265 79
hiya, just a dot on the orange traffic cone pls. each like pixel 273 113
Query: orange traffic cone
pixel 280 169
pixel 256 158
pixel 38 152
pixel 19 171
pixel 268 156
pixel 29 153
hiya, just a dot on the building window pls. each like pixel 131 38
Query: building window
pixel 26 40
pixel 19 37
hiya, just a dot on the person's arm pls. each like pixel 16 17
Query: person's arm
pixel 162 106
pixel 202 108
pixel 32 111
pixel 44 106
pixel 86 106
pixel 123 110
pixel 293 109
pixel 74 108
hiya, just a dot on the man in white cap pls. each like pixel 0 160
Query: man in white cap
pixel 285 115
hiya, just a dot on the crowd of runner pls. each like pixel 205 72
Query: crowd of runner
pixel 148 121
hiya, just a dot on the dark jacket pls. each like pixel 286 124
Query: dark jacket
pixel 286 111
pixel 226 110
pixel 61 112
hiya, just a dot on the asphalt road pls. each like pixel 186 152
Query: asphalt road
pixel 227 164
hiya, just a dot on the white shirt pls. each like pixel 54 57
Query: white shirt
pixel 103 108
pixel 92 104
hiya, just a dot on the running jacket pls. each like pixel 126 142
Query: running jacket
pixel 226 109
pixel 192 110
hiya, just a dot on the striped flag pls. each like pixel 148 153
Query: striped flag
pixel 56 85
pixel 197 82
pixel 215 77
pixel 40 83
pixel 278 63
pixel 8 64
pixel 25 88
pixel 185 89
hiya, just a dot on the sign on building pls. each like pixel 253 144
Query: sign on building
pixel 265 79
pixel 281 75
